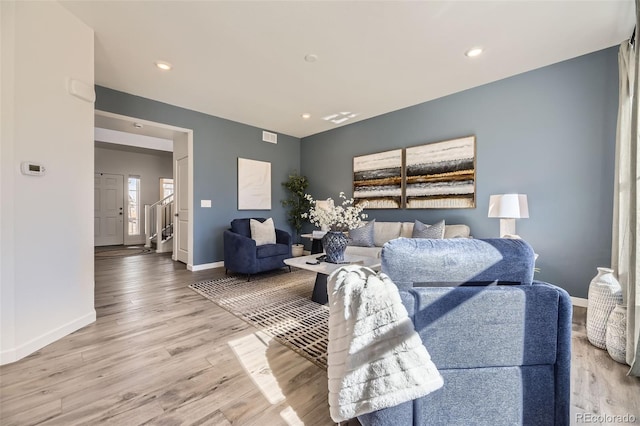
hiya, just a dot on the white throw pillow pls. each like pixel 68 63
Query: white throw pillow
pixel 263 233
pixel 457 231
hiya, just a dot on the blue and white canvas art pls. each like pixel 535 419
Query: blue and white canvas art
pixel 441 175
pixel 377 179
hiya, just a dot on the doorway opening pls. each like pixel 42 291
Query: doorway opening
pixel 133 138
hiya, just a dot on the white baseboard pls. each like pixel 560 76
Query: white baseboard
pixel 40 342
pixel 204 266
pixel 579 301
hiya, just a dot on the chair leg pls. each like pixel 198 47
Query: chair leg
pixel 226 271
pixel 248 277
pixel 289 268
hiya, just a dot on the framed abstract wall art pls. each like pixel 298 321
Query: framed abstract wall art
pixel 377 179
pixel 254 184
pixel 441 175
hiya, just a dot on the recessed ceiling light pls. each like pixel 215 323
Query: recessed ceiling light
pixel 306 116
pixel 311 57
pixel 165 66
pixel 473 52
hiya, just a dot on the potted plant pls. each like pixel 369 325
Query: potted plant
pixel 298 205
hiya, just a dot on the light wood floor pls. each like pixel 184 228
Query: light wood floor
pixel 160 354
pixel 599 385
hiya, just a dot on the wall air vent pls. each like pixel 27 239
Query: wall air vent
pixel 269 137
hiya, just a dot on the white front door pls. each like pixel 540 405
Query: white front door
pixel 109 209
pixel 181 224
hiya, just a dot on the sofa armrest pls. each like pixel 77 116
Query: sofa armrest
pixel 563 359
pixel 283 237
pixel 239 252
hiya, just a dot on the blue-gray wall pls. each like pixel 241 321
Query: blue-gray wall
pixel 548 133
pixel 217 144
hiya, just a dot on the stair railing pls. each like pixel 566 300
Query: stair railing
pixel 158 221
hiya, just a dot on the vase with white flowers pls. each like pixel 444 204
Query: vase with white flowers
pixel 337 219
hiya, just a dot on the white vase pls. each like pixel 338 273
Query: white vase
pixel 616 335
pixel 604 294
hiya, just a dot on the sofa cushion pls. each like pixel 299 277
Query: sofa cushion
pixel 457 231
pixel 406 229
pixel 263 232
pixel 450 231
pixel 363 251
pixel 422 230
pixel 362 236
pixel 491 396
pixel 416 261
pixel 270 250
pixel 242 227
pixel 385 231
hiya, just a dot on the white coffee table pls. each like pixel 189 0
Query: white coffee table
pixel 323 269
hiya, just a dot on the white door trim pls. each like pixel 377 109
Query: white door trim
pixel 190 195
pixel 175 129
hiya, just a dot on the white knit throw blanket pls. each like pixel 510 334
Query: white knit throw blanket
pixel 376 359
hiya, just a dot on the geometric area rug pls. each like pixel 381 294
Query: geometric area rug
pixel 280 305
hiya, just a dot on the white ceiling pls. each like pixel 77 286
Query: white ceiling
pixel 244 60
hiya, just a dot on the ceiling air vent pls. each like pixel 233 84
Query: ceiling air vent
pixel 269 137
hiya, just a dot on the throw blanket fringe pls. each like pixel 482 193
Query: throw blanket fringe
pixel 375 357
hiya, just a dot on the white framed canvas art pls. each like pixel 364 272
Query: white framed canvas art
pixel 254 184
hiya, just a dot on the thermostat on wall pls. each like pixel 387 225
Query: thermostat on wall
pixel 32 169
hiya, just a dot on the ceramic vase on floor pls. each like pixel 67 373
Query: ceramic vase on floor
pixel 616 334
pixel 334 244
pixel 297 250
pixel 604 294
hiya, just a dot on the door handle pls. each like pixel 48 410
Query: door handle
pixel 177 214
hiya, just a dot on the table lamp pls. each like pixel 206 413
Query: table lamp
pixel 508 207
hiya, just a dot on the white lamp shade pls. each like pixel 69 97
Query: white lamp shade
pixel 512 206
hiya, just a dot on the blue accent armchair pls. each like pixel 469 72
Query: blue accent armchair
pixel 243 256
pixel 501 340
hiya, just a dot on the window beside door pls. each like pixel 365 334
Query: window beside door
pixel 134 205
pixel 166 187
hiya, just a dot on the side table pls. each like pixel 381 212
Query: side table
pixel 316 243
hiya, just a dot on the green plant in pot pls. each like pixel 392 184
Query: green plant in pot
pixel 297 206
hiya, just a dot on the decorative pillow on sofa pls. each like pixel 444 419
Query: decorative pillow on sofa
pixel 457 231
pixel 263 233
pixel 363 236
pixel 421 230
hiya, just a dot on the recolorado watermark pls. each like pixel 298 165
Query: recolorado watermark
pixel 605 418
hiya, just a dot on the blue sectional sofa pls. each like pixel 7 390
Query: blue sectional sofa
pixel 501 340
